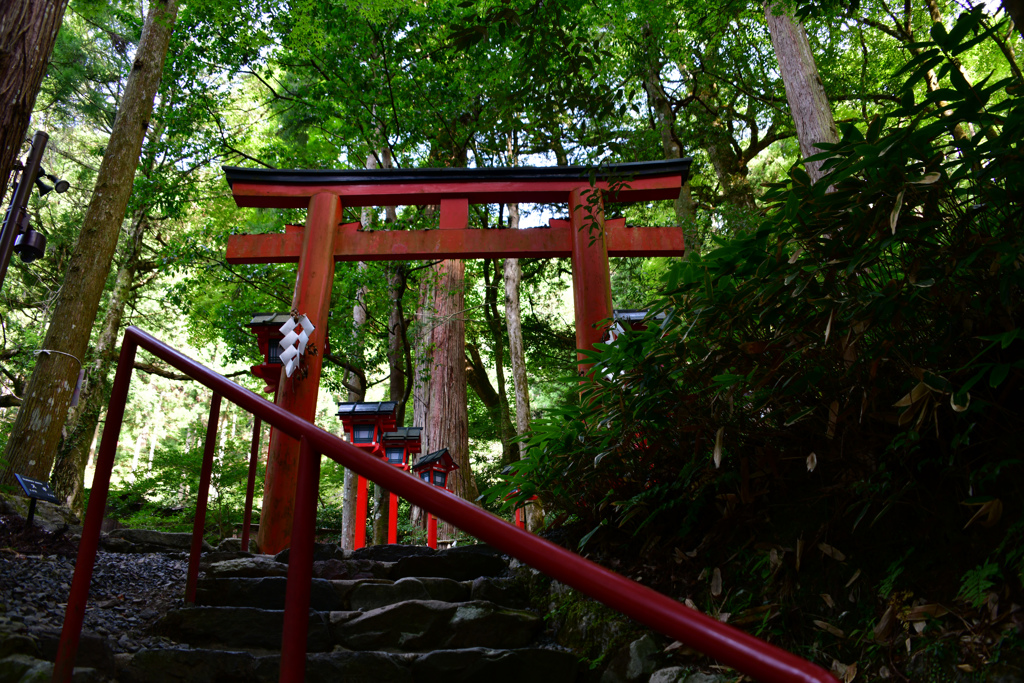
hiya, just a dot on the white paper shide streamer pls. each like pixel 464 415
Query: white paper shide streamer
pixel 296 333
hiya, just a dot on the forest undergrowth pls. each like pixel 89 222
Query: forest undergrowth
pixel 817 437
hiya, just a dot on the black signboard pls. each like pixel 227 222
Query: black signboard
pixel 37 490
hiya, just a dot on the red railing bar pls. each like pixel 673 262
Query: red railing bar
pixel 300 567
pixel 74 615
pixel 730 646
pixel 250 489
pixel 199 523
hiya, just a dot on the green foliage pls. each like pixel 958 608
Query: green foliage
pixel 871 321
pixel 977 583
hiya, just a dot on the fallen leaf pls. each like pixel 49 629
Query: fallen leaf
pixel 691 604
pixel 828 600
pixel 828 327
pixel 927 180
pixel 718 447
pixel 919 626
pixel 856 575
pixel 812 461
pixel 883 629
pixel 884 672
pixel 716 582
pixel 960 408
pixel 674 645
pixel 919 391
pixel 992 511
pixel 851 673
pixel 930 611
pixel 966 668
pixel 773 558
pixel 834 553
pixel 724 616
pixel 825 626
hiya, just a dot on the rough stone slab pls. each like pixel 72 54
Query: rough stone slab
pixel 501 591
pixel 253 567
pixel 238 627
pixel 374 595
pixel 234 545
pixel 93 651
pixel 190 666
pixel 150 541
pixel 48 516
pixel 321 552
pixel 419 625
pixel 351 569
pixel 269 593
pixel 459 564
pixel 535 665
pixel 30 670
pixel 391 552
pixel 349 667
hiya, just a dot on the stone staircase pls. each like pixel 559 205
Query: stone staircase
pixel 382 614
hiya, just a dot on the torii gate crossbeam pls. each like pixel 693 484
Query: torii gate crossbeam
pixel 586 237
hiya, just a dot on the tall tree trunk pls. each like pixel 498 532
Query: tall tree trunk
pixel 665 118
pixel 805 94
pixel 36 434
pixel 492 281
pixel 69 467
pixel 28 30
pixel 447 423
pixel 513 318
pixel 423 336
pixel 1015 10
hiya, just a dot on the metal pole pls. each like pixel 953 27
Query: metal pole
pixel 22 190
pixel 251 488
pixel 300 567
pixel 199 525
pixel 74 615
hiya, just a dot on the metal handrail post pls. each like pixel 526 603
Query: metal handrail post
pixel 250 489
pixel 199 524
pixel 300 567
pixel 74 615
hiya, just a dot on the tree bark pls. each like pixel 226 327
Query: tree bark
pixel 447 423
pixel 517 353
pixel 28 30
pixel 491 285
pixel 1015 10
pixel 665 117
pixel 69 467
pixel 805 94
pixel 37 429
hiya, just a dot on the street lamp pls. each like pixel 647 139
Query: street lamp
pixel 17 234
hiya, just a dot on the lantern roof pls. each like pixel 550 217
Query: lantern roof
pixel 370 409
pixel 274 319
pixel 404 434
pixel 441 459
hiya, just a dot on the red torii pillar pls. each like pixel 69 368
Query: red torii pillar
pixel 586 237
pixel 298 394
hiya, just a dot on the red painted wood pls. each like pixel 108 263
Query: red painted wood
pixel 298 394
pixel 199 523
pixel 361 503
pixel 431 531
pixel 393 519
pixel 537 191
pixel 591 278
pixel 732 647
pixel 352 244
pixel 300 568
pixel 454 214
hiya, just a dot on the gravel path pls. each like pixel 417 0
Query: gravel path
pixel 128 593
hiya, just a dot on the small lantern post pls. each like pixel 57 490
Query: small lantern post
pixel 365 424
pixel 399 448
pixel 433 468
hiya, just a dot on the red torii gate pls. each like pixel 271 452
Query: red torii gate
pixel 586 237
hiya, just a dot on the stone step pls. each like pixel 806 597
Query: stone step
pixel 358 594
pixel 393 562
pixel 536 665
pixel 410 625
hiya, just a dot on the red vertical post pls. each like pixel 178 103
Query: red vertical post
pixel 431 530
pixel 520 521
pixel 74 614
pixel 300 567
pixel 297 394
pixel 393 519
pixel 361 496
pixel 250 489
pixel 591 278
pixel 199 524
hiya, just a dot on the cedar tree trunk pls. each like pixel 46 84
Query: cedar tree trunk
pixel 37 428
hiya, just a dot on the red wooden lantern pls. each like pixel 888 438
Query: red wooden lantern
pixel 365 424
pixel 267 328
pixel 433 468
pixel 401 445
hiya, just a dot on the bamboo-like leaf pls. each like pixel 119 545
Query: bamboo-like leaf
pixel 832 552
pixel 894 216
pixel 718 447
pixel 812 462
pixel 916 394
pixel 960 408
pixel 825 626
pixel 828 327
pixel 716 582
pixel 927 179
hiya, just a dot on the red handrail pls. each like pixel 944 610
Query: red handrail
pixel 739 650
